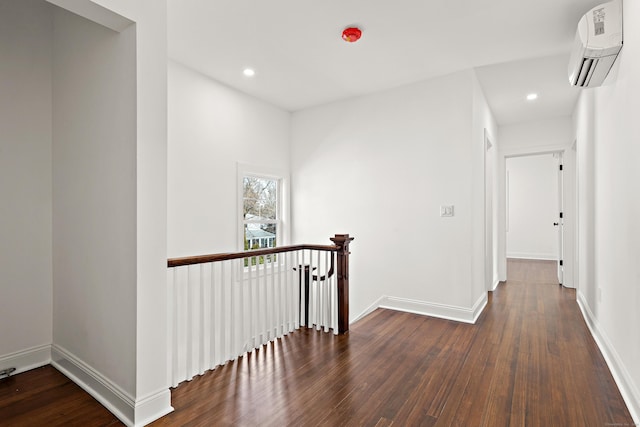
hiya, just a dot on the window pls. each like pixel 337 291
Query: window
pixel 262 205
pixel 261 222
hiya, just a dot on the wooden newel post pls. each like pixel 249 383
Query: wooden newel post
pixel 343 240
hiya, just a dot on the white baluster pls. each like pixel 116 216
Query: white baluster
pixel 277 289
pixel 287 292
pixel 325 297
pixel 201 318
pixel 261 301
pixel 189 328
pixel 245 283
pixel 265 302
pixel 173 329
pixel 272 300
pixel 235 316
pixel 239 317
pixel 215 315
pixel 182 291
pixel 222 309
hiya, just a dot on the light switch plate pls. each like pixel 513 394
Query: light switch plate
pixel 446 210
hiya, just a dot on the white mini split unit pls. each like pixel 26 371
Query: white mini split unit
pixel 598 41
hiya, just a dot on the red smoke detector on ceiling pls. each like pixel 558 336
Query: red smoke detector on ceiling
pixel 351 34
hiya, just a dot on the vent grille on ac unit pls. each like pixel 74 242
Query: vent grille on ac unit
pixel 586 71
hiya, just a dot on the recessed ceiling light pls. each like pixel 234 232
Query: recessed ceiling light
pixel 532 96
pixel 249 72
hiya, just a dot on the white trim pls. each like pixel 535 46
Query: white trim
pixel 119 402
pixel 373 307
pixel 442 311
pixel 628 389
pixel 110 395
pixel 535 150
pixel 531 255
pixel 96 13
pixel 26 360
pixel 490 211
pixel 153 407
pixel 496 282
pixel 479 306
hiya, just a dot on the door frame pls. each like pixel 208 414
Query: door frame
pixel 490 235
pixel 560 219
pixel 569 190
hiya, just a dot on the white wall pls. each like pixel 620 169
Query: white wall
pixel 532 207
pixel 94 193
pixel 152 398
pixel 25 183
pixel 212 128
pixel 129 117
pixel 584 126
pixel 530 137
pixel 110 196
pixel 607 129
pixel 379 167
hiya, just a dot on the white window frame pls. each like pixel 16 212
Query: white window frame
pixel 282 210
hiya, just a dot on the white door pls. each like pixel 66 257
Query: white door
pixel 560 220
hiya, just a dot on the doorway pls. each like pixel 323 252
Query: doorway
pixel 534 196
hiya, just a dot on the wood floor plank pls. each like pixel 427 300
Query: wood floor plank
pixel 528 361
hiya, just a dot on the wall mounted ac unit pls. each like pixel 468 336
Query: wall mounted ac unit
pixel 597 44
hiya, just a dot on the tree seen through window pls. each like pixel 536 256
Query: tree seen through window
pixel 260 213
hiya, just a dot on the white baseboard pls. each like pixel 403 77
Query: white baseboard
pixel 26 360
pixel 628 389
pixel 110 395
pixel 443 311
pixel 131 412
pixel 479 306
pixel 152 407
pixel 528 255
pixel 369 309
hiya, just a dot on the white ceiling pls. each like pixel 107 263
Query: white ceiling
pixel 506 86
pixel 301 61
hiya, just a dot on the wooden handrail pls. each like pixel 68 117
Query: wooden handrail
pixel 341 248
pixel 202 259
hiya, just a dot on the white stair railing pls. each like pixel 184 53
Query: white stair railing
pixel 225 305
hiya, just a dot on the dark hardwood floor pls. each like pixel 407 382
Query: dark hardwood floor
pixel 45 397
pixel 528 361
